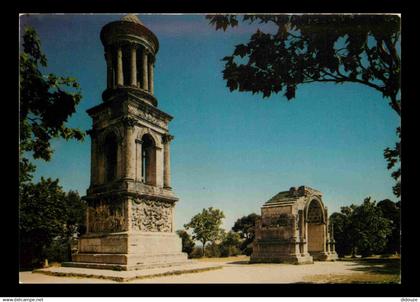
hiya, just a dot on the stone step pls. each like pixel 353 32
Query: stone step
pixel 190 266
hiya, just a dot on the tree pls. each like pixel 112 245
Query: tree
pixel 187 242
pixel 304 49
pixel 393 157
pixel 206 226
pixel 245 226
pixel 371 227
pixel 45 105
pixel 46 213
pixel 343 236
pixel 361 229
pixel 230 244
pixel 391 211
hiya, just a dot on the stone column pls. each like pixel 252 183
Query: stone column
pixel 167 161
pixel 145 84
pixel 151 84
pixel 120 75
pixel 108 58
pixel 129 148
pixel 133 66
pixel 332 241
pixel 328 239
pixel 139 159
pixel 305 246
pixel 94 176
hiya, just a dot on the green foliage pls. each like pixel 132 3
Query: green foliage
pixel 392 212
pixel 230 245
pixel 245 226
pixel 340 223
pixel 393 157
pixel 196 253
pixel 187 242
pixel 361 229
pixel 371 227
pixel 305 49
pixel 315 48
pixel 206 226
pixel 47 215
pixel 212 250
pixel 46 103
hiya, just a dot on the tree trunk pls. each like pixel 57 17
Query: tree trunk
pixel 204 248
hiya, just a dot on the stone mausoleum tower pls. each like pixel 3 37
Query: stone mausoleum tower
pixel 130 216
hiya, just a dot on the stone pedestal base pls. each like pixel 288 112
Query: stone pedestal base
pixel 128 251
pixel 324 256
pixel 290 259
pixel 275 251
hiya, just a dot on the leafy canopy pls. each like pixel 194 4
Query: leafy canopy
pixel 363 229
pixel 46 213
pixel 315 48
pixel 206 226
pixel 46 103
pixel 187 242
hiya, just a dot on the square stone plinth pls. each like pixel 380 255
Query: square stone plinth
pixel 189 266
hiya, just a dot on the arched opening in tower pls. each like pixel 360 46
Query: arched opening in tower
pixel 110 151
pixel 148 162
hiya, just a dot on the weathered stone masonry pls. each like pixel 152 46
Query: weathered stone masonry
pixel 130 215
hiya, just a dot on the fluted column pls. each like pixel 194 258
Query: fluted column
pixel 120 75
pixel 151 84
pixel 139 160
pixel 145 84
pixel 133 66
pixel 93 162
pixel 109 80
pixel 129 147
pixel 167 161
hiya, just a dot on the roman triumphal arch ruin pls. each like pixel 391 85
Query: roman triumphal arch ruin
pixel 294 228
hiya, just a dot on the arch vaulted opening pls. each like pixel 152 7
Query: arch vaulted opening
pixel 316 227
pixel 111 156
pixel 148 162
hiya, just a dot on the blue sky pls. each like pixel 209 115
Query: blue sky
pixel 232 151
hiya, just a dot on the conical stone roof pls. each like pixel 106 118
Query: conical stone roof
pixel 132 18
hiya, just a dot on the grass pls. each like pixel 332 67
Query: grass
pixel 374 269
pixel 223 259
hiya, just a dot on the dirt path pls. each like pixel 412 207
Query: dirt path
pixel 235 270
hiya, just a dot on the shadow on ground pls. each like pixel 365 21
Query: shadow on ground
pixel 238 262
pixel 378 266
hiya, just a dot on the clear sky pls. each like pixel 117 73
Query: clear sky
pixel 232 151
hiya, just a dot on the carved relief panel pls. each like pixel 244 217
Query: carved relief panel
pixel 105 217
pixel 151 216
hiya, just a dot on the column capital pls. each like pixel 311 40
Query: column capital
pixel 129 121
pixel 139 141
pixel 166 138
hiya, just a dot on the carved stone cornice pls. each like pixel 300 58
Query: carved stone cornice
pixel 120 92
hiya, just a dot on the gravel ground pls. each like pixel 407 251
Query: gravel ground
pixel 233 272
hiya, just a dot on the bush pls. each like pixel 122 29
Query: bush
pixel 227 251
pixel 212 250
pixel 187 242
pixel 247 250
pixel 197 252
